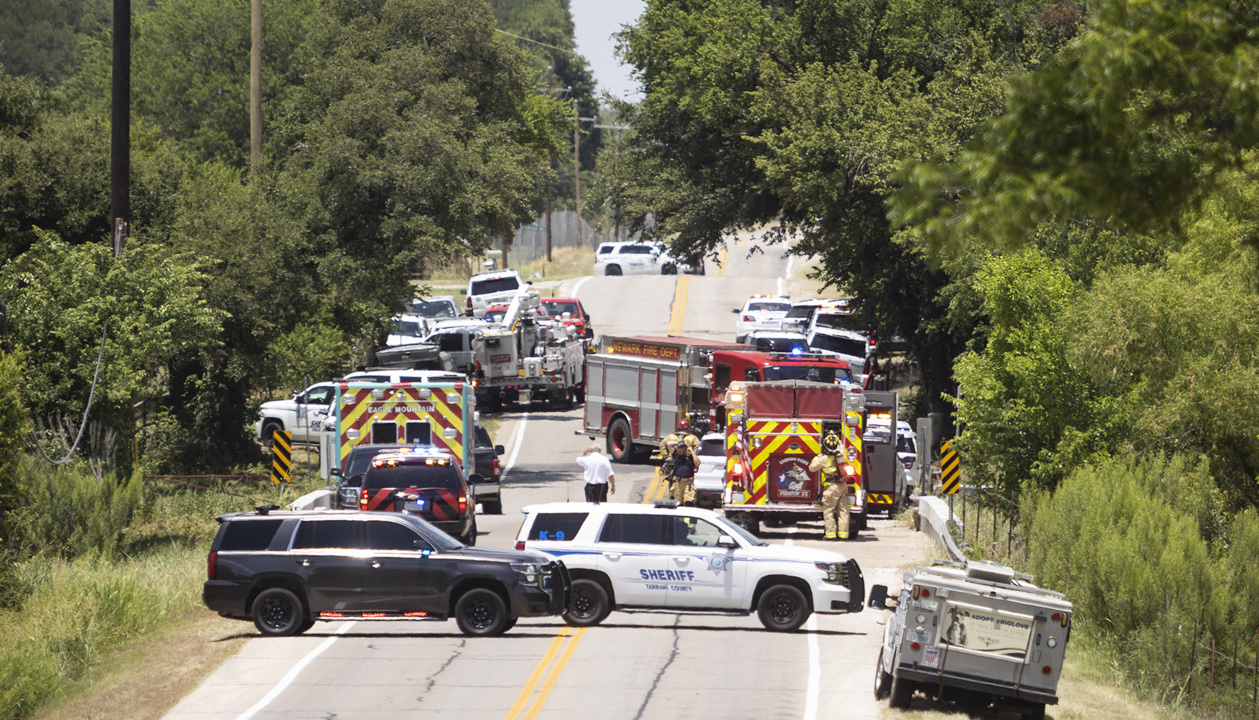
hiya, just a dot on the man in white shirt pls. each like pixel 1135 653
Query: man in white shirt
pixel 599 478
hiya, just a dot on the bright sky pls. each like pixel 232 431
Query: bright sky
pixel 595 22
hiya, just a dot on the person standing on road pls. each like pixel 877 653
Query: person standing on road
pixel 834 487
pixel 599 478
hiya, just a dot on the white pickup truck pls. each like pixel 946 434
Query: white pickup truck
pixel 977 633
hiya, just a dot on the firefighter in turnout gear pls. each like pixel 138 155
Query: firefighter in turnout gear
pixel 830 468
pixel 667 447
pixel 685 463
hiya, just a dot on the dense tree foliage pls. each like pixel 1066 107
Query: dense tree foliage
pixel 398 132
pixel 802 113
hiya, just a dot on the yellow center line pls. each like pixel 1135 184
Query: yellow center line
pixel 679 305
pixel 527 690
pixel 545 692
pixel 725 257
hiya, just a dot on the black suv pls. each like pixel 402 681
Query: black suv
pixel 485 459
pixel 287 569
pixel 426 482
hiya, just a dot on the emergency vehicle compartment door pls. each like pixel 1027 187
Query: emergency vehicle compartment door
pixel 648 391
pixel 879 464
pixel 667 401
pixel 594 396
pixel 789 478
pixel 771 401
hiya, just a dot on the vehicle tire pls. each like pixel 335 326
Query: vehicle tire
pixel 669 269
pixel 579 393
pixel 783 608
pixel 469 538
pixel 612 270
pixel 480 612
pixel 620 442
pixel 268 428
pixel 493 507
pixel 1036 713
pixel 901 693
pixel 587 604
pixel 882 680
pixel 278 612
pixel 740 338
pixel 310 623
pixel 747 522
pixel 854 528
pixel 511 623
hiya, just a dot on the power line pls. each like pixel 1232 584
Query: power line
pixel 535 42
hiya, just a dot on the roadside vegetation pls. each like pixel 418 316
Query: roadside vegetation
pixel 1055 204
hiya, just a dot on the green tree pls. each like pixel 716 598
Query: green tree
pixel 14 426
pixel 1137 120
pixel 61 297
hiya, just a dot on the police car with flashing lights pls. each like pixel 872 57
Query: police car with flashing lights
pixel 646 558
pixel 760 312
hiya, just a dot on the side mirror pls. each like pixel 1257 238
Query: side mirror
pixel 735 311
pixel 878 597
pixel 334 472
pixel 354 481
pixel 498 449
pixel 476 478
pixel 586 317
pixel 726 541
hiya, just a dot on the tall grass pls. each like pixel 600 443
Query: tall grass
pixel 80 611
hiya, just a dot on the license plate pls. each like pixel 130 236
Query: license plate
pixel 928 605
pixel 931 657
pixel 416 506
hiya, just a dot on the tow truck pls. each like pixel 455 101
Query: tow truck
pixel 640 389
pixel 774 430
pixel 977 633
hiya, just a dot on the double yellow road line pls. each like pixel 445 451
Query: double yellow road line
pixel 567 639
pixel 679 304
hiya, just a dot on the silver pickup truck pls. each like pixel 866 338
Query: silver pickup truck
pixel 976 633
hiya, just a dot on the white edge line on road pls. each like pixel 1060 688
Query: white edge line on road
pixel 516 440
pixel 579 284
pixel 815 657
pixel 291 675
pixel 786 274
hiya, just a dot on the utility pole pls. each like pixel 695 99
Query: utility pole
pixel 120 127
pixel 255 86
pixel 577 165
pixel 550 188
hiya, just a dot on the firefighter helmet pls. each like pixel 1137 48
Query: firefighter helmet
pixel 830 443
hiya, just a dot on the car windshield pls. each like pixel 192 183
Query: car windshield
pixel 495 285
pixel 434 308
pixel 407 328
pixel 787 345
pixel 842 345
pixel 409 475
pixel 812 373
pixel 736 530
pixel 712 447
pixel 764 306
pixel 555 309
pixel 838 321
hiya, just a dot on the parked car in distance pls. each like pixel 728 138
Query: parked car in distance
pixel 488 492
pixel 800 315
pixel 486 290
pixel 844 344
pixel 425 482
pixel 453 340
pixel 407 329
pixel 633 557
pixel 570 313
pixel 710 476
pixel 628 258
pixel 435 308
pixel 286 570
pixel 760 312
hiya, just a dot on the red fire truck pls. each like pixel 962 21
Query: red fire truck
pixel 640 389
pixel 775 429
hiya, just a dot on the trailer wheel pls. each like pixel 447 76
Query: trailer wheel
pixel 882 680
pixel 1036 713
pixel 620 442
pixel 901 693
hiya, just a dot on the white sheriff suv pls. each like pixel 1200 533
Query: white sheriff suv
pixel 634 557
pixel 760 312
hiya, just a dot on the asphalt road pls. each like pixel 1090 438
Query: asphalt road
pixel 632 665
